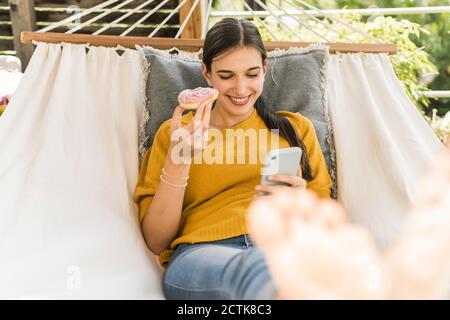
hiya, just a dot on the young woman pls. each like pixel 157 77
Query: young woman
pixel 193 214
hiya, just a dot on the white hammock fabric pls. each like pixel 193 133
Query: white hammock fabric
pixel 69 164
pixel 68 169
pixel 383 144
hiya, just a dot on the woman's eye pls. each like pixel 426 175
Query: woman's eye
pixel 229 77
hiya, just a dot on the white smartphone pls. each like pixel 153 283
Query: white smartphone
pixel 280 161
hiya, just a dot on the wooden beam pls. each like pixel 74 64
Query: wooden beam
pixel 189 44
pixel 193 28
pixel 23 18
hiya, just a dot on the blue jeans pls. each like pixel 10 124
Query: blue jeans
pixel 226 269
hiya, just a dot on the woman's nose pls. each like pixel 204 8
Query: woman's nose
pixel 240 87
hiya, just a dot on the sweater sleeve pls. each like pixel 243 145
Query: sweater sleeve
pixel 321 182
pixel 150 170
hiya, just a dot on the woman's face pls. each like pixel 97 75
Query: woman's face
pixel 238 75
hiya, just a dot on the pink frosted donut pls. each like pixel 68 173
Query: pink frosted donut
pixel 191 99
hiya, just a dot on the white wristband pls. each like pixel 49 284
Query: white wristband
pixel 171 184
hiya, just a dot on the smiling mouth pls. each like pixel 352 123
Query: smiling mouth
pixel 239 101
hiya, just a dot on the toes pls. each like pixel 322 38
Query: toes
pixel 297 203
pixel 305 206
pixel 283 199
pixel 274 218
pixel 329 214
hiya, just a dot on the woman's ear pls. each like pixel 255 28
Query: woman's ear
pixel 206 74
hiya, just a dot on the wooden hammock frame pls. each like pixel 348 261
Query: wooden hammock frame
pixel 187 44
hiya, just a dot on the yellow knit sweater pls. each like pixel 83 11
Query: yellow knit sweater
pixel 218 195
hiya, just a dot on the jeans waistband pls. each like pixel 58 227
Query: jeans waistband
pixel 240 241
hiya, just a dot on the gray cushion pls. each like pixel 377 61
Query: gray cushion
pixel 295 82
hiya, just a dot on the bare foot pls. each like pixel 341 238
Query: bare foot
pixel 312 252
pixel 419 262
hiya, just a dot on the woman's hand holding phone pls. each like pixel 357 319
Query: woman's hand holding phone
pixel 281 170
pixel 290 181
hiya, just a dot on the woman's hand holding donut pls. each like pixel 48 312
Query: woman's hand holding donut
pixel 189 140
